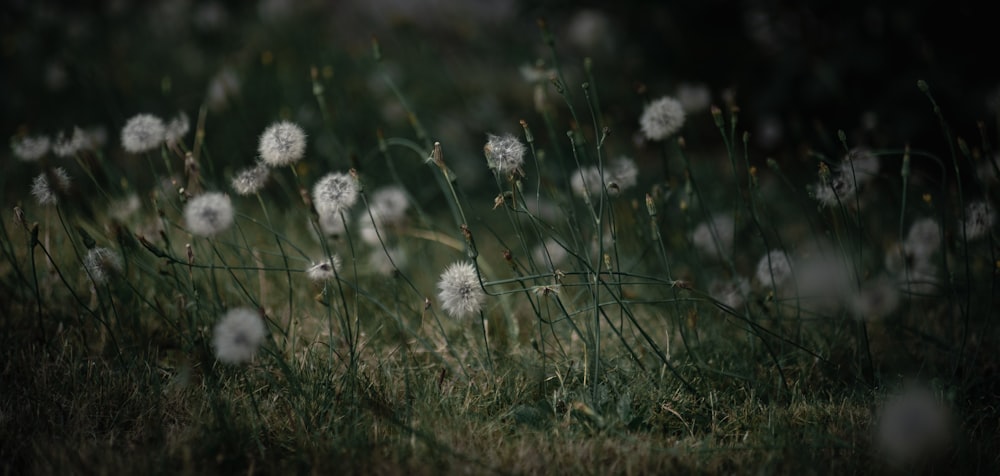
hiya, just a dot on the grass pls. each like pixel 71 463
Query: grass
pixel 613 349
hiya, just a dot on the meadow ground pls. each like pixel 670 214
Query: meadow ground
pixel 262 240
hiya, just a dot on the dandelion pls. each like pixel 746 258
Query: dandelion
pixel 861 164
pixel 875 300
pixel 208 214
pixel 176 129
pixel 332 225
pixel 714 237
pixel 390 203
pixel 238 335
pixel 732 293
pixel 124 207
pixel 979 219
pixel 459 290
pixel 68 146
pixel 282 143
pixel 384 261
pixel 504 154
pixel 836 190
pixel 324 270
pixel 823 281
pixel 48 186
pixel 662 118
pixel 549 253
pixel 774 269
pixel 913 426
pixel 102 263
pixel 31 148
pixel 335 193
pixel 250 180
pixel 923 239
pixel 694 97
pixel 586 181
pixel 143 132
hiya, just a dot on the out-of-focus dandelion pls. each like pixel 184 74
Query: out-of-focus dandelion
pixel 549 254
pixel 923 239
pixel 694 97
pixel 662 118
pixel 143 132
pixel 875 300
pixel 504 154
pixel 176 129
pixel 459 290
pixel 282 143
pixel 68 145
pixel 774 269
pixel 208 214
pixel 732 292
pixel 238 335
pixel 913 427
pixel 979 220
pixel 250 180
pixel 714 237
pixel 102 263
pixel 46 188
pixel 30 148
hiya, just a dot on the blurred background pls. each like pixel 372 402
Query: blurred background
pixel 798 70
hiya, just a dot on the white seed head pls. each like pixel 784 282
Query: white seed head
pixel 324 270
pixel 143 132
pixel 586 181
pixel 250 180
pixel 176 129
pixel 47 192
pixel 774 269
pixel 923 239
pixel 102 263
pixel 839 190
pixel 238 335
pixel 979 220
pixel 208 214
pixel 31 148
pixel 282 143
pixel 714 237
pixel 68 146
pixel 913 427
pixel 662 118
pixel 504 154
pixel 860 163
pixel 732 292
pixel 390 203
pixel 549 254
pixel 459 290
pixel 694 97
pixel 334 193
pixel 876 299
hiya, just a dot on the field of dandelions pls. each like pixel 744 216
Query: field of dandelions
pixel 293 255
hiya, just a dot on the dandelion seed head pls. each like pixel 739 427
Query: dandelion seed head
pixel 282 143
pixel 176 129
pixel 586 181
pixel 379 260
pixel 334 193
pixel 143 132
pixel 549 254
pixel 208 214
pixel 839 190
pixel 694 97
pixel 877 299
pixel 332 225
pixel 324 270
pixel 459 290
pixel 504 154
pixel 913 427
pixel 861 163
pixel 774 269
pixel 714 237
pixel 250 180
pixel 47 192
pixel 69 145
pixel 390 203
pixel 923 239
pixel 102 263
pixel 662 118
pixel 979 220
pixel 30 148
pixel 238 335
pixel 125 207
pixel 731 292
